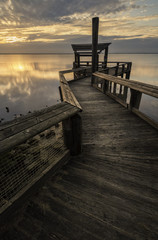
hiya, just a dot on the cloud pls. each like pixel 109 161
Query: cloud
pixel 45 25
pixel 35 12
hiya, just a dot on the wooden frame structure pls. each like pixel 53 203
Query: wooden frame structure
pixel 85 50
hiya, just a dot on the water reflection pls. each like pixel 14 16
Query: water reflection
pixel 28 83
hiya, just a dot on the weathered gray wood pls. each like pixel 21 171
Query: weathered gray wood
pixel 24 135
pixel 117 99
pixel 29 116
pixel 72 129
pixel 74 70
pixel 135 99
pixel 67 94
pixel 95 29
pixel 86 47
pixel 33 121
pixel 123 70
pixel 129 66
pixel 141 87
pixel 145 117
pixel 109 191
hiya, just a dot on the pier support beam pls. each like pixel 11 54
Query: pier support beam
pixel 95 28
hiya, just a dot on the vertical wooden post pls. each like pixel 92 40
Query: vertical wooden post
pixel 105 86
pixel 128 70
pixel 123 70
pixel 72 128
pixel 135 99
pixel 127 77
pixel 106 56
pixel 116 74
pixel 61 97
pixel 95 27
pixel 116 70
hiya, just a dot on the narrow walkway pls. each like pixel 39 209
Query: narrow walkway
pixel 108 192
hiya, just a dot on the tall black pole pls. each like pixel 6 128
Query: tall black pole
pixel 95 27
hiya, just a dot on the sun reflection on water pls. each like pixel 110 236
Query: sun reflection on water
pixel 27 83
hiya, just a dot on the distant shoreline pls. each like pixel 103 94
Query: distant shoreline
pixel 60 53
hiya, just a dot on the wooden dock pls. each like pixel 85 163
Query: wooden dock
pixel 109 191
pixel 86 168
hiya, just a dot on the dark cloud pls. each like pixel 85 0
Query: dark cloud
pixel 43 12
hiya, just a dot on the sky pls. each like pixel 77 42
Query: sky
pixel 51 26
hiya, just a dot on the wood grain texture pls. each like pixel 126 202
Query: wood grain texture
pixel 139 86
pixel 67 94
pixel 19 133
pixel 110 191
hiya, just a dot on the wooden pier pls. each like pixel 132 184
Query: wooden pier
pixel 108 188
pixel 109 191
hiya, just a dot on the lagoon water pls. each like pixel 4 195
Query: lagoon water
pixel 30 82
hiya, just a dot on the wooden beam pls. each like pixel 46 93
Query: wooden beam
pixel 40 126
pixel 95 27
pixel 66 92
pixel 72 129
pixel 135 99
pixel 148 89
pixel 145 117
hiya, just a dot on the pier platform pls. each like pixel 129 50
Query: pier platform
pixel 109 191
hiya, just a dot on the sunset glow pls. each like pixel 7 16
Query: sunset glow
pixel 45 27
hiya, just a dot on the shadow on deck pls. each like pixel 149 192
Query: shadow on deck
pixel 107 192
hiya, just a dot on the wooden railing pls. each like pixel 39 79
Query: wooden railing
pixel 34 146
pixel 117 89
pixel 122 69
pixel 22 137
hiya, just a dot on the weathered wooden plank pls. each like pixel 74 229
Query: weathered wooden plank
pixel 145 118
pixel 67 93
pixel 117 99
pixel 135 99
pixel 80 47
pixel 74 70
pixel 29 116
pixel 141 87
pixel 33 121
pixel 95 28
pixel 72 128
pixel 21 137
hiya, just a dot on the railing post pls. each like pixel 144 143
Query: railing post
pixel 95 27
pixel 123 70
pixel 72 130
pixel 128 70
pixel 116 74
pixel 135 99
pixel 106 57
pixel 129 65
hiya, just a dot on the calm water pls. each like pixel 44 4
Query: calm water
pixel 30 82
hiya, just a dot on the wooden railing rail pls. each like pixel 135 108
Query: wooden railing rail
pixel 72 126
pixel 36 145
pixel 115 87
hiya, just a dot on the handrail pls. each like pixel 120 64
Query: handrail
pixel 67 94
pixel 75 70
pixel 36 145
pixel 139 86
pixel 22 131
pixel 136 88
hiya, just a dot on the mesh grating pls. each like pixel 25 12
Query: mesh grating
pixel 20 165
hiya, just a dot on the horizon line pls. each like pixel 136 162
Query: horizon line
pixel 72 53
